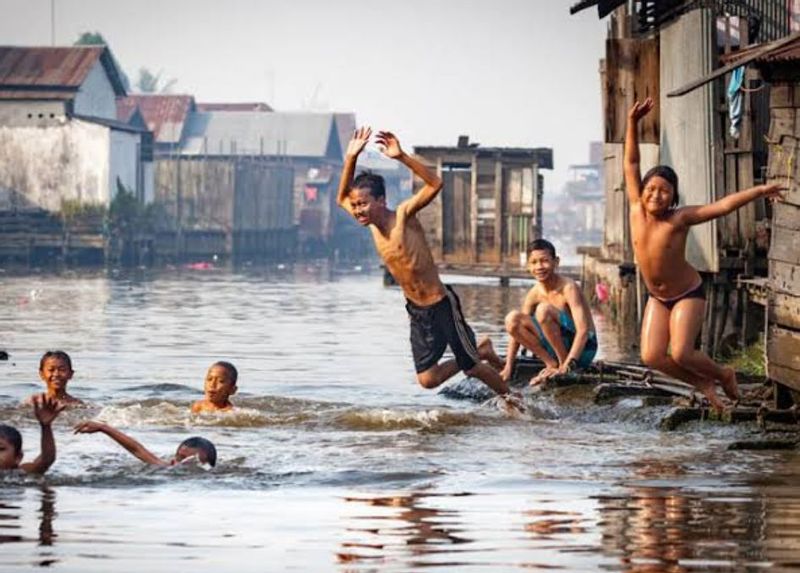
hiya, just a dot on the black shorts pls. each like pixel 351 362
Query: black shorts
pixel 435 327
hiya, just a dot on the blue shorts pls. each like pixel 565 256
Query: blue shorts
pixel 568 336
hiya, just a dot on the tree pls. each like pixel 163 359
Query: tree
pixel 150 83
pixel 90 39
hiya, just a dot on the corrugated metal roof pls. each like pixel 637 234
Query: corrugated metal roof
pixel 52 73
pixel 345 127
pixel 165 114
pixel 292 134
pixel 236 106
pixel 786 52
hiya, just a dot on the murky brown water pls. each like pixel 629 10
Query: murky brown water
pixel 336 460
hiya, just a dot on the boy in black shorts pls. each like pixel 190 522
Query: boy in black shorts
pixel 433 308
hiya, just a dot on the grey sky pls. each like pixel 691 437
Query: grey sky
pixel 505 72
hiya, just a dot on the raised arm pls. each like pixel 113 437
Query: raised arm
pixel 579 309
pixel 633 174
pixel 390 147
pixel 46 410
pixel 124 440
pixel 696 214
pixel 354 149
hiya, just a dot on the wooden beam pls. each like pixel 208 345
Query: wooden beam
pixel 719 72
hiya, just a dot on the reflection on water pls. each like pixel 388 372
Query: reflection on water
pixel 335 459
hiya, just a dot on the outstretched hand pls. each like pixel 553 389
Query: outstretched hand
pixel 639 110
pixel 88 427
pixel 389 144
pixel 46 409
pixel 773 191
pixel 358 141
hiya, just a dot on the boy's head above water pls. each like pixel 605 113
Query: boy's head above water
pixel 660 189
pixel 220 383
pixel 367 197
pixel 55 370
pixel 542 259
pixel 202 448
pixel 10 447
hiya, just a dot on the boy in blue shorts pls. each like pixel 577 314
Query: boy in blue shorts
pixel 555 322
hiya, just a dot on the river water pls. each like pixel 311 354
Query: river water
pixel 335 460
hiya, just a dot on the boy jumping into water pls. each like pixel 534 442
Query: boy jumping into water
pixel 433 308
pixel 555 322
pixel 46 409
pixel 675 309
pixel 196 447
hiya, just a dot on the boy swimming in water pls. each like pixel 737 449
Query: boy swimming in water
pixel 219 386
pixel 46 410
pixel 676 306
pixel 433 308
pixel 199 448
pixel 555 322
pixel 55 370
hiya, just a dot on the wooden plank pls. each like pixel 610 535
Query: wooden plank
pixel 687 136
pixel 784 310
pixel 784 277
pixel 499 222
pixel 473 213
pixel 719 72
pixel 783 348
pixel 781 95
pixel 785 245
pixel 631 73
pixel 786 215
pixel 786 376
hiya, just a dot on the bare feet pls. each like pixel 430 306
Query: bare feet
pixel 729 385
pixel 544 374
pixel 513 403
pixel 486 352
pixel 708 389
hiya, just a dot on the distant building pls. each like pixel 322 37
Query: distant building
pixel 581 213
pixel 240 177
pixel 235 106
pixel 165 116
pixel 60 138
pixel 491 204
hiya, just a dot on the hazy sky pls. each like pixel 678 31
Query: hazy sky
pixel 505 72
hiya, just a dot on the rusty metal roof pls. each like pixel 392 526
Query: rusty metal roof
pixel 236 106
pixel 782 52
pixel 52 73
pixel 164 114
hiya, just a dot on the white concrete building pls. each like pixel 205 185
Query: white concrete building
pixel 59 134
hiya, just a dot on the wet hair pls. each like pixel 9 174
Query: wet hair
pixel 668 174
pixel 12 436
pixel 60 354
pixel 542 245
pixel 232 372
pixel 204 446
pixel 372 182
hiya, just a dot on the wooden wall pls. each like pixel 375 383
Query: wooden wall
pixel 783 336
pixel 687 134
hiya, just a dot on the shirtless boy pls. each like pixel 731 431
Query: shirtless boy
pixel 219 386
pixel 555 322
pixel 191 448
pixel 676 306
pixel 433 308
pixel 55 370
